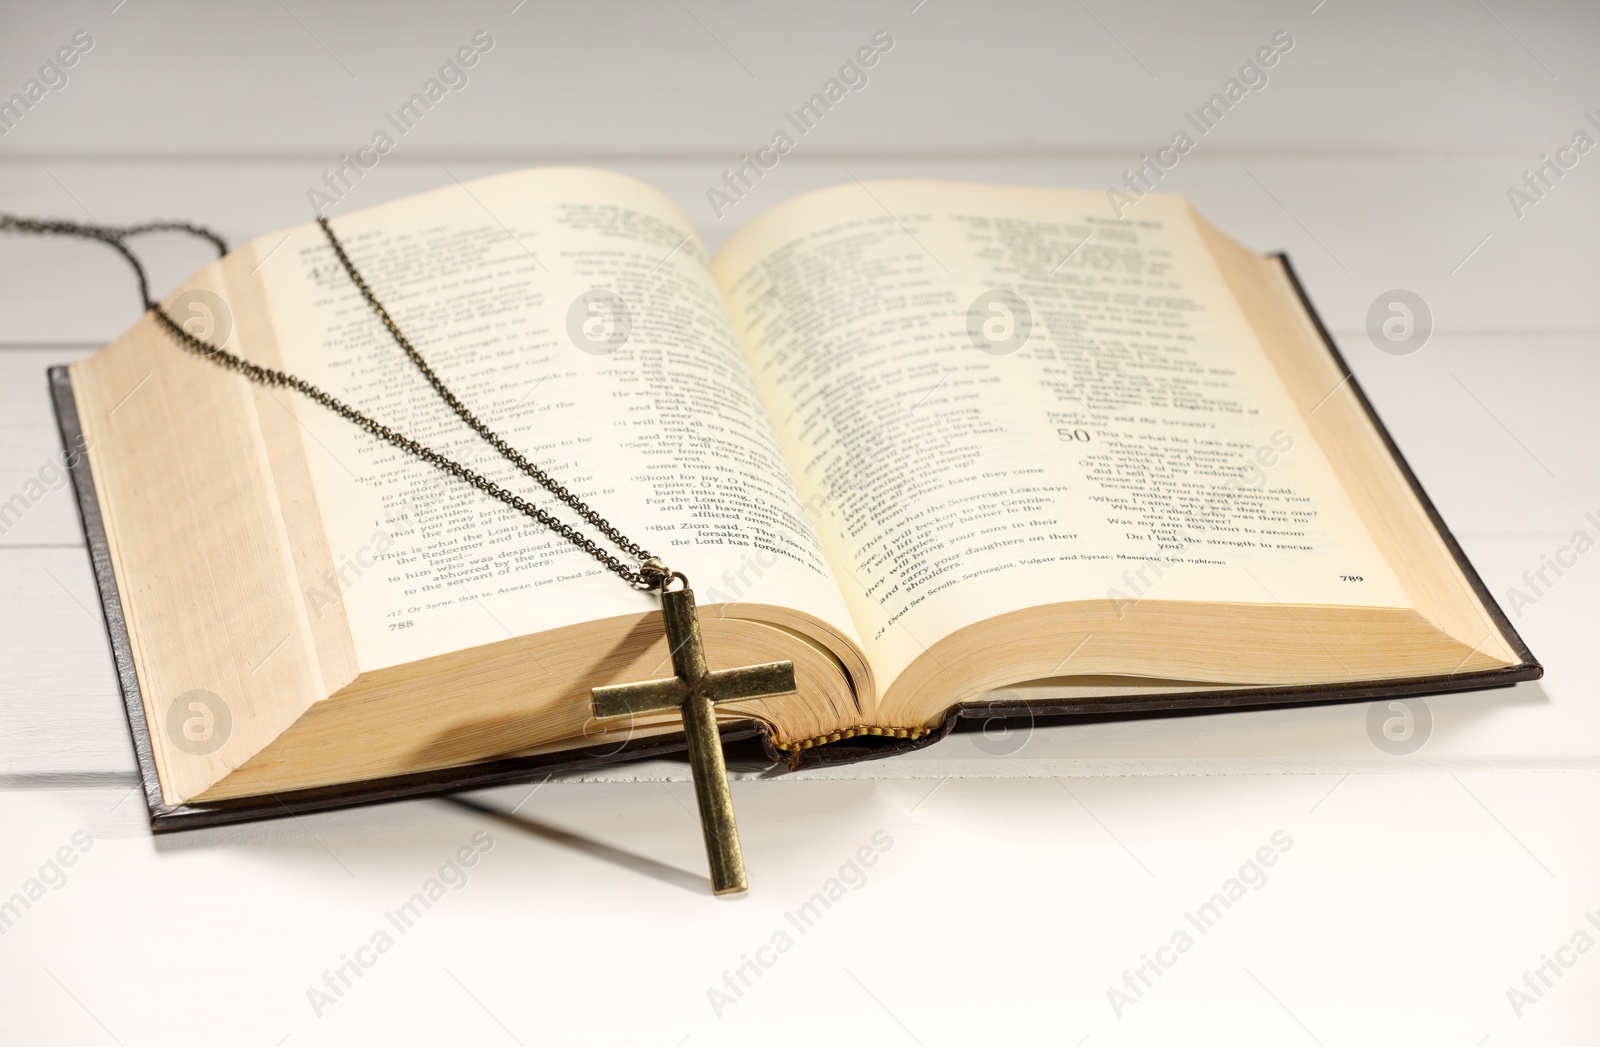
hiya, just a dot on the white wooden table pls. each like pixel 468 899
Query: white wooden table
pixel 1018 881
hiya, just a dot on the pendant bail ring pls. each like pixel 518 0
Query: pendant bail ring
pixel 653 574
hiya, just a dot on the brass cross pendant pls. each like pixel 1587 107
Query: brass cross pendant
pixel 696 691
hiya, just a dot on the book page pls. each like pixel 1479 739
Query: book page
pixel 997 398
pixel 573 311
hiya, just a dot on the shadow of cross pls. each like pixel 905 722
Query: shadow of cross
pixel 695 692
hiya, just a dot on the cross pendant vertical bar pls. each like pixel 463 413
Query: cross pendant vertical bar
pixel 706 763
pixel 694 691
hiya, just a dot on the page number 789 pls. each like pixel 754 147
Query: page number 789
pixel 1351 578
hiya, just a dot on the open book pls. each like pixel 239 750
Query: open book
pixel 926 440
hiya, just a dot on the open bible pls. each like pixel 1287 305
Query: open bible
pixel 925 440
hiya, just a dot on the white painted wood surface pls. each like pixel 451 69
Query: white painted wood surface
pixel 1027 873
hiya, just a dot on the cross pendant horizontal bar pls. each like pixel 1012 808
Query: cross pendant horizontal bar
pixel 723 685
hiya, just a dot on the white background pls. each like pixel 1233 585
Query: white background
pixel 1018 888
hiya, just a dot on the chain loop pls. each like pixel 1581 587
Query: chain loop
pixel 651 575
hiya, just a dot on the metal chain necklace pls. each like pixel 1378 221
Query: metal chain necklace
pixel 693 690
